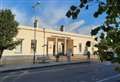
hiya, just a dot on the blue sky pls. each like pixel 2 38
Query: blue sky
pixel 51 14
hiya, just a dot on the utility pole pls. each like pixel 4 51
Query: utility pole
pixel 35 41
pixel 35 26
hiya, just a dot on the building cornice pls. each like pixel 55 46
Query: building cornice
pixel 53 31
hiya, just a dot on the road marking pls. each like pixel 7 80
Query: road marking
pixel 7 77
pixel 50 70
pixel 108 78
pixel 13 75
pixel 18 77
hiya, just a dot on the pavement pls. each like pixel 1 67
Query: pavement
pixel 21 67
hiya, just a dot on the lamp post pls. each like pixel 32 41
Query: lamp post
pixel 35 41
pixel 44 42
pixel 35 26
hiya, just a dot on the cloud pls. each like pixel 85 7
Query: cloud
pixel 86 29
pixel 51 15
pixel 42 24
pixel 73 26
pixel 21 16
pixel 57 15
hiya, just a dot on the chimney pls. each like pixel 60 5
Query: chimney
pixel 36 22
pixel 62 28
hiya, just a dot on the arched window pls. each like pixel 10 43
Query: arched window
pixel 88 43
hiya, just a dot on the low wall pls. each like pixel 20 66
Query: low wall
pixel 17 59
pixel 28 59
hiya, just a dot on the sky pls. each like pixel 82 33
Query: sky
pixel 51 14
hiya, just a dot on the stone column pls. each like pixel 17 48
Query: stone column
pixel 56 45
pixel 65 45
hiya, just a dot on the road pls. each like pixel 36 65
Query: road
pixel 89 72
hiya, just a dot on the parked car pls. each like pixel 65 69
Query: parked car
pixel 110 56
pixel 107 56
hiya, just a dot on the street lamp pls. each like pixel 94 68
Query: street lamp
pixel 35 26
pixel 36 4
pixel 34 41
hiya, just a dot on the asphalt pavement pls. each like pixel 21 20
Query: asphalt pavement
pixel 88 72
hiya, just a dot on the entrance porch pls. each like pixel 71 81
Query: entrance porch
pixel 56 45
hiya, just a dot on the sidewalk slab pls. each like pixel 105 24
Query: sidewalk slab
pixel 12 68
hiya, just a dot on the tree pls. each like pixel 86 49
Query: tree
pixel 110 7
pixel 108 33
pixel 8 30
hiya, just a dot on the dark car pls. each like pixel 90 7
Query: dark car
pixel 110 56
